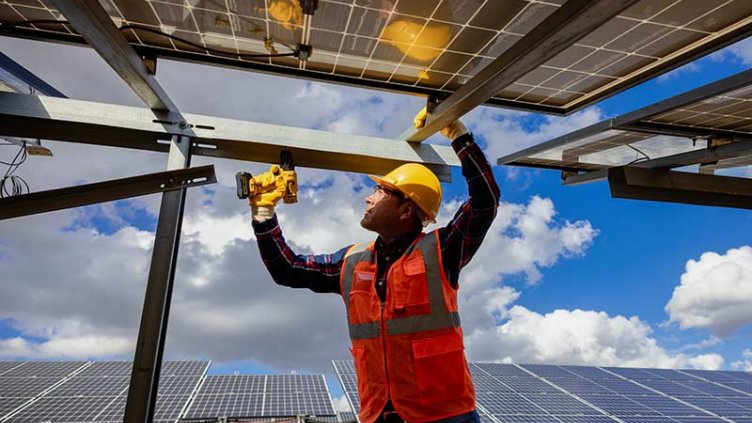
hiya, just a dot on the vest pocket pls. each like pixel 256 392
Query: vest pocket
pixel 411 287
pixel 439 368
pixel 360 305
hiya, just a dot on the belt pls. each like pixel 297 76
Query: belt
pixel 391 416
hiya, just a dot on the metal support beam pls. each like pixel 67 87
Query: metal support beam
pixel 680 187
pixel 100 192
pixel 28 78
pixel 89 19
pixel 695 157
pixel 139 128
pixel 147 362
pixel 572 21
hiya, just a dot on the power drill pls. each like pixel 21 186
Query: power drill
pixel 282 178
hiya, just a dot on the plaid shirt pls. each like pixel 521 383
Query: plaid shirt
pixel 459 240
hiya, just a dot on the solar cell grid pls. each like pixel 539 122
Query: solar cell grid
pixel 23 387
pixel 226 405
pixel 624 387
pixel 561 404
pixel 108 368
pixel 717 406
pixel 672 375
pixel 548 371
pixel 236 384
pixel 184 368
pixel 45 369
pixel 7 405
pixel 651 419
pixel 6 366
pixel 526 419
pixel 671 388
pixel 585 419
pixel 619 405
pixel 713 389
pixel 501 370
pixel 581 386
pixel 91 386
pixel 54 410
pixel 633 374
pixel 505 403
pixel 489 384
pixel 178 385
pixel 667 406
pixel 744 402
pixel 529 385
pixel 739 386
pixel 593 373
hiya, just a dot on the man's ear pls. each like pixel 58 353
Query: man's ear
pixel 407 211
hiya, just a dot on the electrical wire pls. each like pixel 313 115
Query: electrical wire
pixel 10 184
pixel 639 159
pixel 137 27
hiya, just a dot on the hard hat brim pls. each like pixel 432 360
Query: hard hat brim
pixel 384 182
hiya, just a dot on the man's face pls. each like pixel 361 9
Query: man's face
pixel 382 210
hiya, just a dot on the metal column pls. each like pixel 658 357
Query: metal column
pixel 142 392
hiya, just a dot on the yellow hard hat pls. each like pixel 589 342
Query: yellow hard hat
pixel 287 12
pixel 424 44
pixel 417 183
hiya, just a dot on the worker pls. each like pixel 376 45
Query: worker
pixel 400 291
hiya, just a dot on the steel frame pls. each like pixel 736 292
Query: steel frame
pixel 570 22
pixel 635 122
pixel 100 192
pixel 28 78
pixel 680 187
pixel 139 128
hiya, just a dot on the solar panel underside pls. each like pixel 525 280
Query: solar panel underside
pixel 431 46
pixel 262 396
pixel 729 114
pixel 98 393
pixel 575 394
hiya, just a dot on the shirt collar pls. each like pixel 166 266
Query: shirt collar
pixel 399 244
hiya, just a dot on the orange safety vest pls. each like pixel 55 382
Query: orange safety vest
pixel 408 349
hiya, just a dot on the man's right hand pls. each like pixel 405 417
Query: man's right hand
pixel 452 131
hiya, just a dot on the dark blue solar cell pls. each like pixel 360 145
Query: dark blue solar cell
pixel 742 402
pixel 589 372
pixel 739 386
pixel 715 376
pixel 497 403
pixel 578 385
pixel 528 385
pixel 634 374
pixel 624 387
pixel 719 406
pixel 499 369
pixel 485 383
pixel 699 420
pixel 548 371
pixel 561 404
pixel 651 419
pixel 671 388
pixel 619 405
pixel 670 374
pixel 668 406
pixel 712 389
pixel 586 419
pixel 503 418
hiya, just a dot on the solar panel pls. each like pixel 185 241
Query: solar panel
pixel 345 370
pixel 506 393
pixel 262 396
pixel 683 124
pixel 45 369
pixel 83 392
pixel 431 47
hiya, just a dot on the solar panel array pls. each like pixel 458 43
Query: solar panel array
pixel 262 396
pixel 89 392
pixel 508 393
pixel 669 128
pixel 432 46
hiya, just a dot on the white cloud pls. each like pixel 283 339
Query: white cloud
pixel 738 52
pixel 746 363
pixel 341 404
pixel 579 337
pixel 506 131
pixel 715 292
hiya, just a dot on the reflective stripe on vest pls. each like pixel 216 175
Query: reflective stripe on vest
pixel 357 253
pixel 438 318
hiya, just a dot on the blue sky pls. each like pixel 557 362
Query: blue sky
pixel 561 259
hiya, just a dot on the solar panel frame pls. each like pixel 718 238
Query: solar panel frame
pixel 644 135
pixel 600 63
